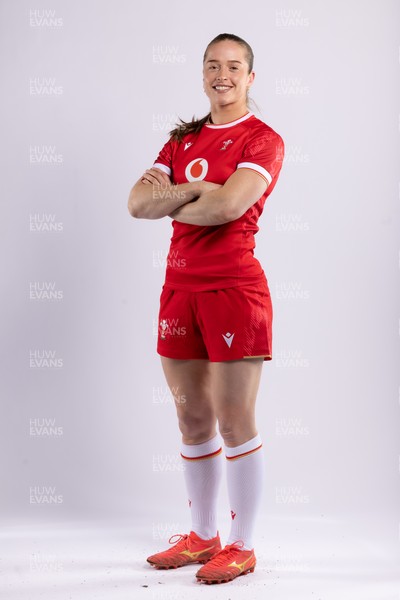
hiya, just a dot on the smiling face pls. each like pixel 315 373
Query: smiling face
pixel 226 76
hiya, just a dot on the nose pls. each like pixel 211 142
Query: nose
pixel 222 73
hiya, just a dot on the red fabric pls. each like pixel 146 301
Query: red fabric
pixel 218 325
pixel 220 256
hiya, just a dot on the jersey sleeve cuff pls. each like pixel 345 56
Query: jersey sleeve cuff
pixel 263 172
pixel 163 167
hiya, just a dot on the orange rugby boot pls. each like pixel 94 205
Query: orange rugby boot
pixel 230 562
pixel 187 549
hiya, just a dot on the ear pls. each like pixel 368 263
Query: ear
pixel 251 78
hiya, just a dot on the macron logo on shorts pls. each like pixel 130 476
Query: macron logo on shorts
pixel 228 337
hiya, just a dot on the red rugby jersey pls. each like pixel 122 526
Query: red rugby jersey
pixel 219 256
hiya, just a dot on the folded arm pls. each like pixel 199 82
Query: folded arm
pixel 227 203
pixel 154 196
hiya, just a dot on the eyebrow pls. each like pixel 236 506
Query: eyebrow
pixel 215 60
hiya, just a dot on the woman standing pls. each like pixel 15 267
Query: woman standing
pixel 212 178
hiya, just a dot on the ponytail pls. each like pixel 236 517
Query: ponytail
pixel 184 127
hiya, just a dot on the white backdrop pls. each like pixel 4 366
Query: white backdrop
pixel 90 90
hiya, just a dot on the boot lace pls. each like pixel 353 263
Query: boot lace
pixel 219 559
pixel 182 537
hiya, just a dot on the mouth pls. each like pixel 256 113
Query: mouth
pixel 222 89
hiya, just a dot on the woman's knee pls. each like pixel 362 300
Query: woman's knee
pixel 197 429
pixel 237 431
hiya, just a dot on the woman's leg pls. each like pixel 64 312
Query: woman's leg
pixel 201 451
pixel 190 385
pixel 234 388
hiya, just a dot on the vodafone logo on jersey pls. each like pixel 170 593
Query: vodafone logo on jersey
pixel 196 170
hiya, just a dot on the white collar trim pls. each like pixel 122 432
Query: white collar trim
pixel 231 123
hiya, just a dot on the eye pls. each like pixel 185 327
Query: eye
pixel 234 68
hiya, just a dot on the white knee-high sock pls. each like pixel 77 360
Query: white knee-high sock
pixel 203 465
pixel 245 479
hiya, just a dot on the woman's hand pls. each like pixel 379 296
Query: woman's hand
pixel 155 175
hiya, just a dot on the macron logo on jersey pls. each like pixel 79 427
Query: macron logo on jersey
pixel 188 144
pixel 196 170
pixel 228 337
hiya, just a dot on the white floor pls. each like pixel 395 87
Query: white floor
pixel 313 559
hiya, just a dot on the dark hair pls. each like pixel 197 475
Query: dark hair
pixel 195 125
